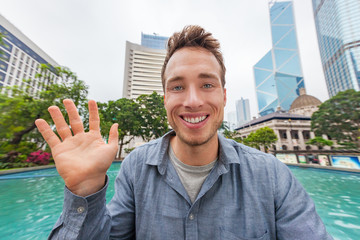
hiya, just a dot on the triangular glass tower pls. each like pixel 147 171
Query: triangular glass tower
pixel 278 75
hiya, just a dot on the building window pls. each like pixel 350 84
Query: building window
pixel 22 56
pixel 283 134
pixel 296 148
pixel 306 135
pixel 9 80
pixel 294 134
pixel 274 147
pixel 284 147
pixel 308 148
pixel 16 52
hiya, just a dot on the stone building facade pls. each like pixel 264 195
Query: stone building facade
pixel 292 128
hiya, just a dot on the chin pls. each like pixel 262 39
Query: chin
pixel 195 141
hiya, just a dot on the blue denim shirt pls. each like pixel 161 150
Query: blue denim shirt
pixel 247 195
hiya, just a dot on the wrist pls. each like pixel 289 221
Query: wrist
pixel 88 187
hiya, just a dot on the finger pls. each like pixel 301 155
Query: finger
pixel 94 120
pixel 114 135
pixel 61 126
pixel 48 134
pixel 74 118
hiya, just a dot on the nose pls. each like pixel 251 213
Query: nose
pixel 194 99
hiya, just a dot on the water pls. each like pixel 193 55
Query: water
pixel 337 199
pixel 31 202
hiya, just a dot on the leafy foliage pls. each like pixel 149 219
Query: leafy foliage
pixel 153 113
pixel 125 112
pixel 320 142
pixel 339 118
pixel 232 135
pixel 22 108
pixel 262 137
pixel 145 118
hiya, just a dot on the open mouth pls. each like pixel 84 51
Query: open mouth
pixel 194 120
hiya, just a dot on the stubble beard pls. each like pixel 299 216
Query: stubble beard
pixel 194 142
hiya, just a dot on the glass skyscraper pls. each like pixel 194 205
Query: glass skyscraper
pixel 243 111
pixel 278 75
pixel 338 30
pixel 153 41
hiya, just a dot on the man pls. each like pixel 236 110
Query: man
pixel 190 184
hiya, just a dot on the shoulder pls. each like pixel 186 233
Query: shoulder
pixel 149 153
pixel 245 155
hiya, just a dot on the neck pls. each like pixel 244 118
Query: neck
pixel 195 155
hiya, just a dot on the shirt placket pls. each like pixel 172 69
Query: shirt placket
pixel 191 222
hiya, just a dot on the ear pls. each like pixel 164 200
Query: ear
pixel 224 97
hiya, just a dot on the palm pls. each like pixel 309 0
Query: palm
pixel 81 159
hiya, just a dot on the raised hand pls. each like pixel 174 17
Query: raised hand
pixel 81 158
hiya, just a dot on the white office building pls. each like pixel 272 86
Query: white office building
pixel 142 74
pixel 20 59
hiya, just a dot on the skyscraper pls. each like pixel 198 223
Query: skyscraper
pixel 242 111
pixel 153 41
pixel 337 24
pixel 143 63
pixel 20 59
pixel 278 75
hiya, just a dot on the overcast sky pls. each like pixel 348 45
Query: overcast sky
pixel 89 36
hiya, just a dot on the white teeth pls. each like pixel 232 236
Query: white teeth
pixel 195 120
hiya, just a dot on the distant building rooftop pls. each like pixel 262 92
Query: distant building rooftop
pixel 274 115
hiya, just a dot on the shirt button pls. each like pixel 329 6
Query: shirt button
pixel 80 209
pixel 191 216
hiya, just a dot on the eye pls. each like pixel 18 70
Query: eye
pixel 207 85
pixel 177 88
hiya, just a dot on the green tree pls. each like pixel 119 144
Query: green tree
pixel 153 114
pixel 262 137
pixel 320 142
pixel 19 112
pixel 125 112
pixel 251 141
pixel 234 135
pixel 339 118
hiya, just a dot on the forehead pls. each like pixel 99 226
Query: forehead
pixel 189 60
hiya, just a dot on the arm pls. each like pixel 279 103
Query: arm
pixel 83 217
pixel 296 216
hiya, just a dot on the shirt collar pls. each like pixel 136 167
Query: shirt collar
pixel 159 157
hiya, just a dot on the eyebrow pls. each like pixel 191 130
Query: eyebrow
pixel 174 79
pixel 201 75
pixel 207 75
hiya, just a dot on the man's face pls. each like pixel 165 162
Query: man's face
pixel 194 96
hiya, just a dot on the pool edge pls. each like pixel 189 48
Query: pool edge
pixel 26 169
pixel 324 167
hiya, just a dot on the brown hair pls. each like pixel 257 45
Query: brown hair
pixel 194 36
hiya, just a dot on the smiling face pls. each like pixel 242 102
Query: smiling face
pixel 194 96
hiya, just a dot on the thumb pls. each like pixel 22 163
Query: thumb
pixel 114 135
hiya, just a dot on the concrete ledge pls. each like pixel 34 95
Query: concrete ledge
pixel 26 169
pixel 324 167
